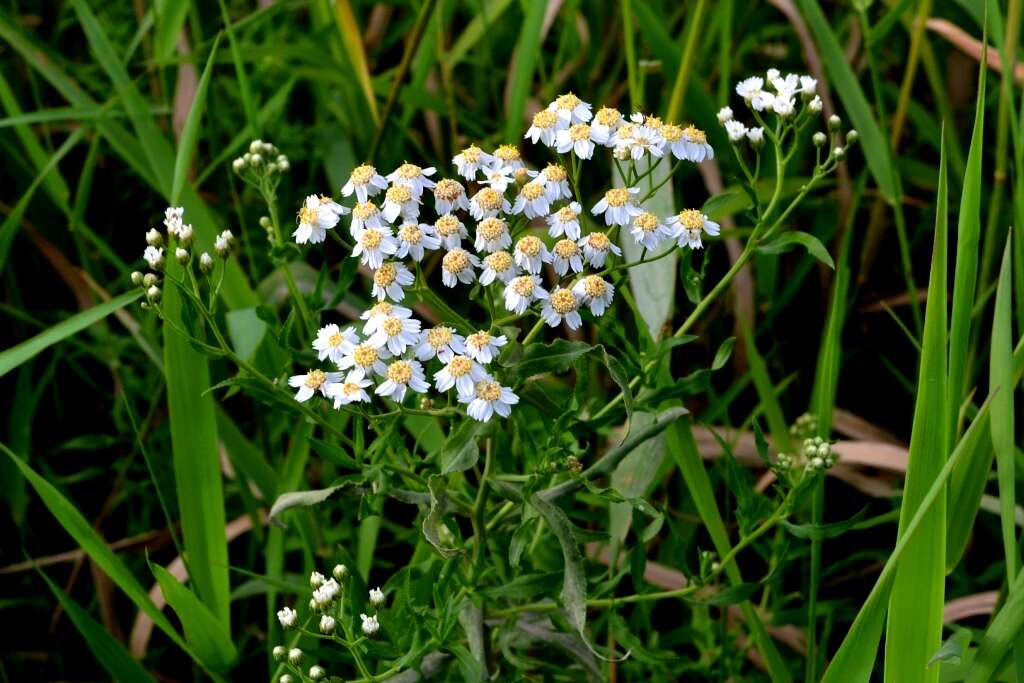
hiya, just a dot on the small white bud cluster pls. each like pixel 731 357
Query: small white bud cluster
pixel 805 427
pixel 819 454
pixel 263 159
pixel 775 94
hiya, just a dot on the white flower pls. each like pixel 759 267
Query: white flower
pixel 487 398
pixel 687 226
pixel 595 292
pixel 571 109
pixel 376 597
pixel 785 87
pixel 755 135
pixel 414 239
pixel 396 334
pixel 316 217
pixel 370 624
pixel 492 235
pixel 508 156
pixel 470 160
pixel 566 221
pixel 154 256
pixel 520 292
pixel 688 143
pixel 154 237
pixel 724 114
pixel 617 206
pixel 561 305
pixel 532 200
pixel 185 234
pixel 373 244
pixel 604 125
pixel 773 74
pixel 458 266
pixel 815 105
pixel 449 195
pixel 736 130
pixel 784 106
pixel 366 215
pixel 546 123
pixel 390 281
pixel 327 625
pixel 311 382
pixel 531 254
pixel 459 372
pixel 288 617
pixel 172 219
pixel 205 262
pixel 331 340
pixel 440 341
pixel 483 347
pixel 632 139
pixel 498 265
pixel 415 177
pixel 556 182
pixel 365 182
pixel 578 138
pixel 498 177
pixel 808 87
pixel 596 246
pixel 748 88
pixel 648 230
pixel 488 202
pixel 316 579
pixel 450 231
pixel 222 243
pixel 376 314
pixel 566 255
pixel 351 390
pixel 365 358
pixel 325 594
pixel 339 571
pixel 401 376
pixel 400 201
pixel 294 656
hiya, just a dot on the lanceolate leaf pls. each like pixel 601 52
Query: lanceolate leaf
pixel 1002 386
pixel 209 636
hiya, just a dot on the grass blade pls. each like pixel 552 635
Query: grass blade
pixel 352 39
pixel 190 131
pixel 914 630
pixel 1002 385
pixel 521 80
pixel 170 19
pixel 999 636
pixel 208 635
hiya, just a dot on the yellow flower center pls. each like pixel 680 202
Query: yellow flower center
pixel 563 301
pixel 448 190
pixel 382 308
pixel 653 122
pixel 671 132
pixel 488 199
pixel 400 371
pixel 566 248
pixel 521 174
pixel 411 233
pixel 616 197
pixel 566 214
pixel 532 190
pixel 580 131
pixel 488 391
pixel 594 286
pixel 371 238
pixel 324 199
pixel 567 102
pixel 523 285
pixel 507 152
pixel 362 174
pixel 399 194
pixel 439 336
pixel 599 241
pixel 364 355
pixel 646 221
pixel 315 379
pixel 459 366
pixel 607 116
pixel 447 225
pixel 455 261
pixel 479 340
pixel 409 171
pixel 529 246
pixel 364 210
pixel 545 118
pixel 695 134
pixel 392 326
pixel 471 154
pixel 691 219
pixel 350 388
pixel 499 261
pixel 335 339
pixel 385 275
pixel 491 228
pixel 308 215
pixel 555 173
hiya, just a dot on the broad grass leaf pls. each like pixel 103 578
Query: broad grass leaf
pixel 209 637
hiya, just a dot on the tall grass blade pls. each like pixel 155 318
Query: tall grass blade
pixel 209 636
pixel 694 25
pixel 170 19
pixel 914 629
pixel 521 79
pixel 1001 385
pixel 352 39
pixel 1000 635
pixel 190 131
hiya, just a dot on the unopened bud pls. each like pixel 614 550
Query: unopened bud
pixel 153 293
pixel 280 653
pixel 265 222
pixel 327 625
pixel 286 678
pixel 340 571
pixel 852 136
pixel 181 255
pixel 137 278
pixel 840 153
pixel 256 146
pixel 294 656
pixel 205 262
pixel 238 165
pixel 834 122
pixel 154 237
pixel 317 672
pixel 819 139
pixel 149 279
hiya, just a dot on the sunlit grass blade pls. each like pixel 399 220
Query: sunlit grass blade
pixel 914 629
pixel 352 39
pixel 525 63
pixel 190 131
pixel 1000 635
pixel 1001 385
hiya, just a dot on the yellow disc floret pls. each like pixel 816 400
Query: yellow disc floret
pixel 599 241
pixel 362 174
pixel 499 261
pixel 566 248
pixel 555 173
pixel 447 225
pixel 370 239
pixel 364 355
pixel 607 116
pixel 529 246
pixel 411 233
pixel 409 171
pixel 694 134
pixel 523 285
pixel 315 379
pixel 479 340
pixel 545 118
pixel 616 197
pixel 691 219
pixel 399 194
pixel 392 326
pixel 448 189
pixel 532 190
pixel 459 366
pixel 385 275
pixel 594 286
pixel 563 301
pixel 308 215
pixel 364 210
pixel 580 131
pixel 488 199
pixel 646 221
pixel 491 228
pixel 488 391
pixel 400 372
pixel 507 152
pixel 439 336
pixel 455 261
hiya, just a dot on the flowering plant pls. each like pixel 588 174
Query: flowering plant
pixel 472 394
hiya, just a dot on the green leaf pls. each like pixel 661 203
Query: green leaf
pixel 1001 388
pixel 208 636
pixel 460 451
pixel 723 354
pixel 954 649
pixel 352 40
pixel 1000 635
pixel 526 54
pixel 190 131
pixel 287 501
pixel 170 19
pixel 249 459
pixel 793 238
pixel 334 454
pixel 16 355
pixel 822 531
pixel 432 522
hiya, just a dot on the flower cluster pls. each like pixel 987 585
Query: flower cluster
pixel 262 158
pixel 775 94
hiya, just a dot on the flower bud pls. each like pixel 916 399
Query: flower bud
pixel 181 255
pixel 238 165
pixel 327 625
pixel 317 672
pixel 205 262
pixel 149 279
pixel 153 293
pixel 724 114
pixel 815 105
pixel 280 652
pixel 819 139
pixel 288 617
pixel 286 678
pixel 316 579
pixel 154 237
pixel 255 159
pixel 294 656
pixel 370 624
pixel 185 234
pixel 756 136
pixel 852 136
pixel 339 572
pixel 137 278
pixel 265 222
pixel 840 153
pixel 284 166
pixel 376 597
pixel 256 146
pixel 834 122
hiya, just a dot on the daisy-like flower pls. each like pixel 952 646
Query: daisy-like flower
pixel 808 87
pixel 639 136
pixel 351 390
pixel 648 230
pixel 440 341
pixel 483 347
pixel 785 87
pixel 578 138
pixel 522 291
pixel 735 130
pixel 401 376
pixel 556 182
pixel 724 114
pixel 571 109
pixel 499 265
pixel 364 182
pixel 617 206
pixel 566 221
pixel 488 202
pixel 470 160
pixel 366 215
pixel 753 93
pixel 606 122
pixel 566 255
pixel 450 231
pixel 687 226
pixel 498 177
pixel 755 135
pixel 815 105
pixel 449 195
pixel 373 244
pixel 531 254
pixel 492 235
pixel 546 124
pixel 312 382
pixel 532 200
pixel 417 178
pixel 460 372
pixel 288 617
pixel 487 398
pixel 376 597
pixel 687 143
pixel 222 244
pixel 154 256
pixel 399 201
pixel 561 305
pixel 390 281
pixel 376 314
pixel 458 266
pixel 331 341
pixel 596 247
pixel 316 217
pixel 508 156
pixel 365 358
pixel 397 334
pixel 173 216
pixel 784 106
pixel 370 625
pixel 413 239
pixel 594 292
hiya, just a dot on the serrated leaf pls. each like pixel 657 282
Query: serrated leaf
pixel 460 450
